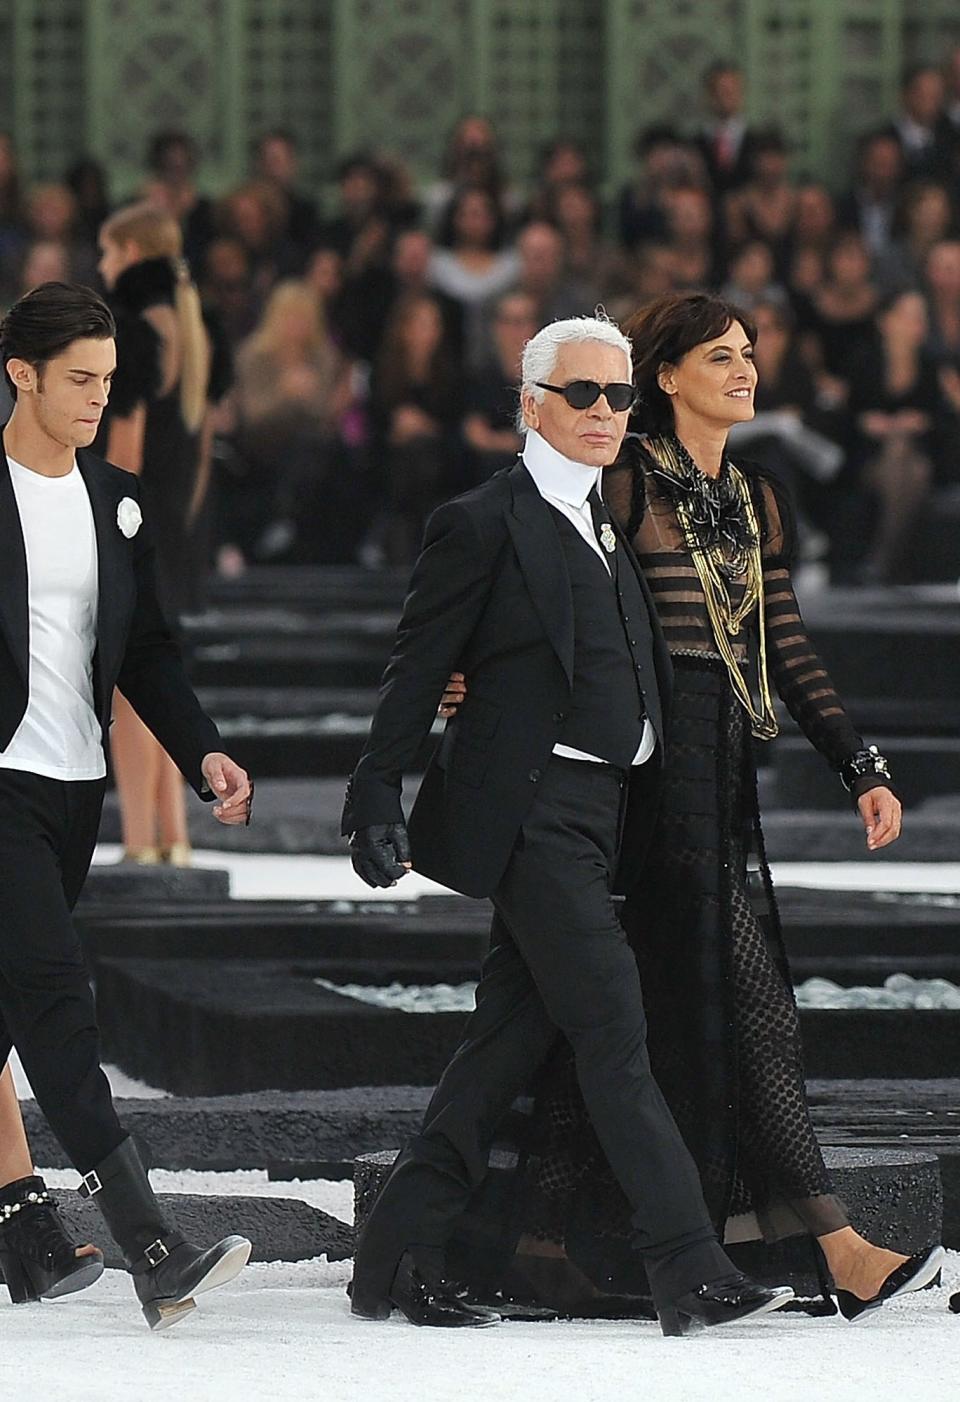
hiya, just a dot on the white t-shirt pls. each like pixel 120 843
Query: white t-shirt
pixel 59 736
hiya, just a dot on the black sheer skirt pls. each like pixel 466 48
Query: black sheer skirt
pixel 724 1040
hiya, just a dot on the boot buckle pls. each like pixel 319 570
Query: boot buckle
pixel 90 1184
pixel 155 1253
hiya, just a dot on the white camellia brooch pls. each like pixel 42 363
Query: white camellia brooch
pixel 129 517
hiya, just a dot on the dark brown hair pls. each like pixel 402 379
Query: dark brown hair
pixel 662 333
pixel 48 320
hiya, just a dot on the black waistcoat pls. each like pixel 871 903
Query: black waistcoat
pixel 613 653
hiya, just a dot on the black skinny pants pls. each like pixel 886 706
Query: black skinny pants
pixel 559 961
pixel 48 829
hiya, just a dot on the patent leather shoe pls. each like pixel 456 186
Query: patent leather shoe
pixel 723 1301
pixel 916 1272
pixel 425 1300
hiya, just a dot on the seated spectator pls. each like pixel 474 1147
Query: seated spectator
pixel 591 260
pixel 277 161
pixel 87 181
pixel 472 160
pixel 942 285
pixel 870 206
pixel 492 393
pixel 172 160
pixel 786 433
pixel 648 272
pixel 841 314
pixel 544 277
pixel 691 236
pixel 563 162
pixel 925 216
pixel 471 264
pixel 897 410
pixel 666 163
pixel 815 219
pixel 369 296
pixel 45 260
pixel 415 406
pixel 226 286
pixel 725 141
pixel 919 126
pixel 765 206
pixel 752 277
pixel 291 390
pixel 255 214
pixel 13 239
pixel 50 216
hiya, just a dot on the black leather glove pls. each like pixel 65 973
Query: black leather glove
pixel 378 853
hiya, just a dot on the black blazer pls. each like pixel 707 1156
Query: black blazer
pixel 490 595
pixel 135 649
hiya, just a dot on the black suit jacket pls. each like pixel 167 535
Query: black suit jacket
pixel 490 595
pixel 135 649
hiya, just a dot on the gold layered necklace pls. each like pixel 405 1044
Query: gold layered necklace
pixel 721 531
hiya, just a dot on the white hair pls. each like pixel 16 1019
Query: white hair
pixel 541 351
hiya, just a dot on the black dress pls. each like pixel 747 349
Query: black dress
pixel 724 1034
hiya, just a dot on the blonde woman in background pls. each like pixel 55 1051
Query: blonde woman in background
pixel 158 427
pixel 293 387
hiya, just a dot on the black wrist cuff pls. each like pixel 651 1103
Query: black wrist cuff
pixel 865 762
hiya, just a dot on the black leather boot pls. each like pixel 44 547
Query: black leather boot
pixel 720 1302
pixel 168 1271
pixel 425 1298
pixel 38 1260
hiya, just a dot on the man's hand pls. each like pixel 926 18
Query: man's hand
pixel 454 695
pixel 881 813
pixel 232 788
pixel 381 854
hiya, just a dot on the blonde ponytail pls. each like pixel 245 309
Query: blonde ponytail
pixel 157 235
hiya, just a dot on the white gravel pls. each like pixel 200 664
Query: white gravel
pixel 284 1332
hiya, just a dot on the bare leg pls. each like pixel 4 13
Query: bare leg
pixel 172 809
pixel 15 1160
pixel 856 1264
pixel 136 768
pixel 901 477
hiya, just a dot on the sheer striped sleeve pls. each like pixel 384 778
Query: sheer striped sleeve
pixel 795 666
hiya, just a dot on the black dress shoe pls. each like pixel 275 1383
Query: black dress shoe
pixel 721 1302
pixel 916 1272
pixel 955 1303
pixel 435 1302
pixel 38 1260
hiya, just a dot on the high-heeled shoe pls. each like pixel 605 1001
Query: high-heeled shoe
pixel 37 1258
pixel 916 1272
pixel 724 1301
pixel 177 854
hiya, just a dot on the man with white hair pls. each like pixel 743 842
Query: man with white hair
pixel 527 584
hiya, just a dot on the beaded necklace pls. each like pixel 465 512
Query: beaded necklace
pixel 721 531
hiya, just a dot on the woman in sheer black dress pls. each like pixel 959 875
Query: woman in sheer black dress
pixel 714 542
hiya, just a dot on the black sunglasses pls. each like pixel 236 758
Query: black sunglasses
pixel 581 394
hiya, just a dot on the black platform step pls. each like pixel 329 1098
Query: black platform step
pixel 281 1229
pixel 893 1196
pixel 127 884
pixel 921 768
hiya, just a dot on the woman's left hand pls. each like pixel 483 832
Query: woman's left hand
pixel 881 813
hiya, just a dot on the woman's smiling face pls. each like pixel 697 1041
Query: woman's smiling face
pixel 716 380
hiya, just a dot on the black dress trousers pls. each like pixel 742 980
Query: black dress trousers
pixel 48 830
pixel 559 963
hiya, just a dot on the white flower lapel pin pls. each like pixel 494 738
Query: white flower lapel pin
pixel 129 517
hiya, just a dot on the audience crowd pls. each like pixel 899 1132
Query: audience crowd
pixel 376 344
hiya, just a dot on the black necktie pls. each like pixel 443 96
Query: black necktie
pixel 603 529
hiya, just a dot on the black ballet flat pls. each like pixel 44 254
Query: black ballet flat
pixel 425 1301
pixel 721 1302
pixel 916 1272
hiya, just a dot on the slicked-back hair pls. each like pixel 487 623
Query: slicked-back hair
pixel 662 333
pixel 41 325
pixel 541 351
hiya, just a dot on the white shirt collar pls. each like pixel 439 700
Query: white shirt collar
pixel 555 475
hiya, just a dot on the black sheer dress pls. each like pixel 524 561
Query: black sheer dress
pixel 724 1034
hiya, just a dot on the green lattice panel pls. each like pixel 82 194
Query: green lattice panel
pixel 288 77
pixel 48 84
pixel 155 64
pixel 655 57
pixel 524 87
pixel 6 70
pixel 582 96
pixel 931 28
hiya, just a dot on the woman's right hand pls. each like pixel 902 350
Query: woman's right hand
pixel 455 693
